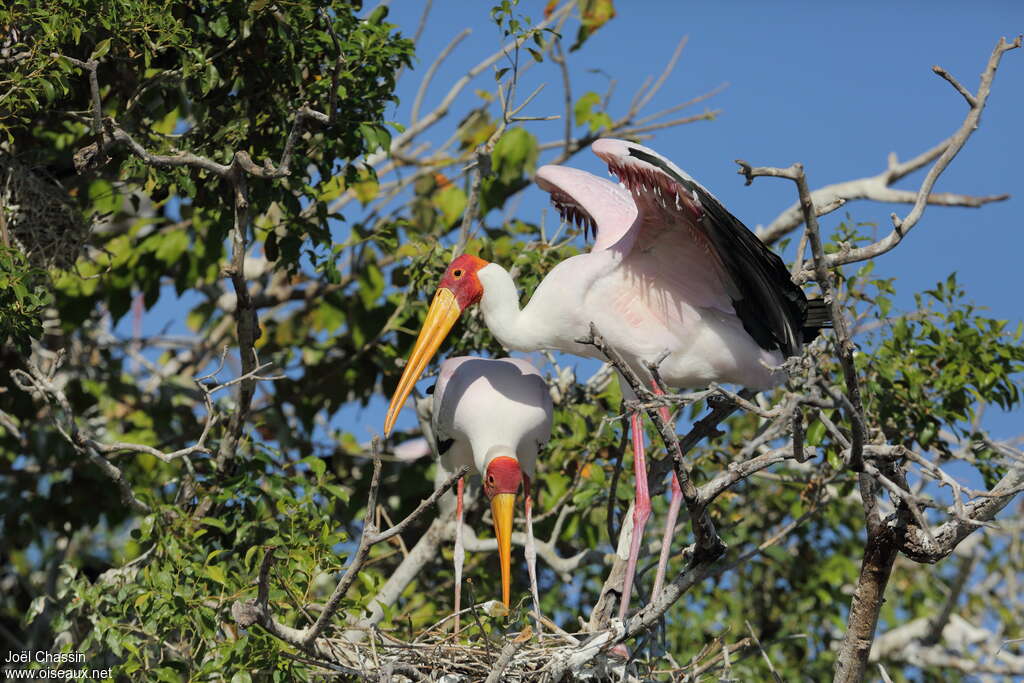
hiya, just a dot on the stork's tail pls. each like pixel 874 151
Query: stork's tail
pixel 816 318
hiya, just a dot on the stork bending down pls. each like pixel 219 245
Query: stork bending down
pixel 493 415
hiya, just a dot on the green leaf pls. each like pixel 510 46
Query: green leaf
pixel 102 48
pixel 316 464
pixel 585 114
pixel 35 608
pixel 216 572
pixel 172 246
pixel 514 155
pixel 338 492
pixel 48 90
pixel 451 200
pixel 214 522
pixel 815 433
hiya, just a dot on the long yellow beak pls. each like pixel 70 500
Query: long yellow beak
pixel 502 507
pixel 444 311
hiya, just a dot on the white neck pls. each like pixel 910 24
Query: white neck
pixel 513 327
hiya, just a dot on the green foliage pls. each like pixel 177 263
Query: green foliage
pixel 514 160
pixel 209 79
pixel 936 367
pixel 586 113
pixel 23 298
pixel 193 570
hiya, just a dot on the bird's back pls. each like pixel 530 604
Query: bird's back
pixel 484 402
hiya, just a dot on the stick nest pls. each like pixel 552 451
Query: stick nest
pixel 38 216
pixel 435 655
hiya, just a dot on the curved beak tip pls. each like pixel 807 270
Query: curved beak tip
pixel 502 509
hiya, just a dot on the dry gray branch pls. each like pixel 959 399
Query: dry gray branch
pixel 902 226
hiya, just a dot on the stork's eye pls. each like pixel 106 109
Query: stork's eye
pixel 457 272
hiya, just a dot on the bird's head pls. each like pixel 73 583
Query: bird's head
pixel 460 278
pixel 459 289
pixel 502 479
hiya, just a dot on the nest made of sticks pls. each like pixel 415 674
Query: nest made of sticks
pixel 435 655
pixel 38 217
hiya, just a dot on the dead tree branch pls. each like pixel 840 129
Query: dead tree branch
pixel 878 187
pixel 824 279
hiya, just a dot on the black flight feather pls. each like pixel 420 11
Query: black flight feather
pixel 773 310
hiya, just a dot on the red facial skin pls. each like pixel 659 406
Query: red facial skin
pixel 461 279
pixel 503 476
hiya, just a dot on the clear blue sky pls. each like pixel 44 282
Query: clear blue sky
pixel 835 87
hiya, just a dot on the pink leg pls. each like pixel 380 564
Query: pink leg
pixel 666 539
pixel 641 509
pixel 459 553
pixel 531 550
pixel 673 514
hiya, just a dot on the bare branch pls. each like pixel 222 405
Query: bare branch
pixel 972 102
pixel 824 279
pixel 669 67
pixel 902 226
pixel 558 57
pixel 875 188
pixel 427 502
pixel 947 536
pixel 431 71
pixel 35 381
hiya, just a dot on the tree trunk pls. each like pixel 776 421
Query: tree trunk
pixel 879 555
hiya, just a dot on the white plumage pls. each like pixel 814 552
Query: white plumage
pixel 489 413
pixel 486 407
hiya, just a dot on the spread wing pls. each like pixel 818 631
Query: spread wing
pixel 596 204
pixel 678 215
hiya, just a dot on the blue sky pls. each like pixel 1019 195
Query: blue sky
pixel 835 87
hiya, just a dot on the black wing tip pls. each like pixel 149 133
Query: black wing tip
pixel 817 317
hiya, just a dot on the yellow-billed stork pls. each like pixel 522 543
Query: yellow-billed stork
pixel 493 415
